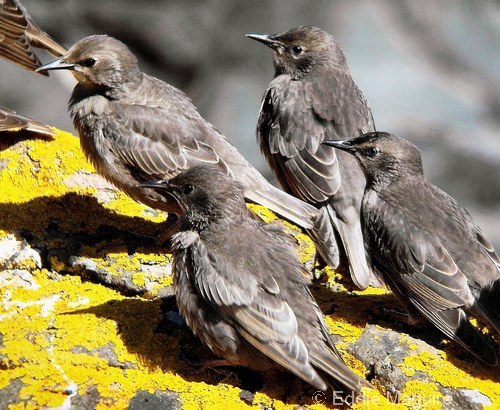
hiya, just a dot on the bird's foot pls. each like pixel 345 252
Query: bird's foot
pixel 214 365
pixel 401 316
pixel 217 367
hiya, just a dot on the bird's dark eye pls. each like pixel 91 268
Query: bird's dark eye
pixel 296 50
pixel 372 152
pixel 187 189
pixel 88 62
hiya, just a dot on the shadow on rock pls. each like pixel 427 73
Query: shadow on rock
pixel 155 332
pixel 78 222
pixel 75 234
pixel 9 138
pixel 362 310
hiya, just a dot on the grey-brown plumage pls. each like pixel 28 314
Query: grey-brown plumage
pixel 241 288
pixel 12 121
pixel 312 98
pixel 19 33
pixel 427 247
pixel 136 128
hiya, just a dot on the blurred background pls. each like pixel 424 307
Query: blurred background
pixel 430 71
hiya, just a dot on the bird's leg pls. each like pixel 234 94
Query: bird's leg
pixel 407 317
pixel 217 364
pixel 214 365
pixel 206 364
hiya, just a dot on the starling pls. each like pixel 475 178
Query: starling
pixel 12 121
pixel 18 33
pixel 136 128
pixel 241 288
pixel 312 98
pixel 426 247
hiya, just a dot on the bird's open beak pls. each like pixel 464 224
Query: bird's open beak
pixel 344 145
pixel 266 39
pixel 58 64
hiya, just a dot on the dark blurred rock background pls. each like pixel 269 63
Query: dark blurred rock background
pixel 430 70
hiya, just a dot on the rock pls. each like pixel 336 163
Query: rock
pixel 18 254
pixel 159 400
pixel 134 275
pixel 399 363
pixel 87 319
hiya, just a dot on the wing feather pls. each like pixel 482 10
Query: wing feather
pixel 150 142
pixel 256 308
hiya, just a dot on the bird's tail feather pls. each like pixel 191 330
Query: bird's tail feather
pixel 285 205
pixel 351 235
pixel 338 375
pixel 454 324
pixel 323 236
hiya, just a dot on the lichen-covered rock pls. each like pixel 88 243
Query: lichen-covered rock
pixel 87 317
pixel 17 254
pixel 399 363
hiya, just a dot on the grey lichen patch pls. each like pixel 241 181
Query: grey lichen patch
pixel 9 395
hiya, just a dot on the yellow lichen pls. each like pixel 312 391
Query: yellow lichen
pixel 420 395
pixel 441 371
pixel 265 214
pixel 139 279
pixel 373 400
pixel 125 206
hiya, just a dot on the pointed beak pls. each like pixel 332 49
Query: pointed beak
pixel 344 145
pixel 158 185
pixel 58 64
pixel 267 39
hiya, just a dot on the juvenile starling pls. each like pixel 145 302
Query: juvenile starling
pixel 427 248
pixel 18 33
pixel 12 121
pixel 241 288
pixel 312 98
pixel 136 128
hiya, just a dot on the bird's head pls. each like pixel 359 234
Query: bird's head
pixel 98 61
pixel 383 156
pixel 205 194
pixel 302 50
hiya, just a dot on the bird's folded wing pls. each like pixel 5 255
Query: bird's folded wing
pixel 290 130
pixel 426 269
pixel 155 144
pixel 345 113
pixel 488 247
pixel 256 308
pixel 162 142
pixel 11 121
pixel 423 270
pixel 14 44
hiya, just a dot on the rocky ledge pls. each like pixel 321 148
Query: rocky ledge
pixel 88 317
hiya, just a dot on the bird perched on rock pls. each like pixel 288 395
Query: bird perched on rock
pixel 19 33
pixel 136 128
pixel 12 121
pixel 241 288
pixel 427 248
pixel 312 98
